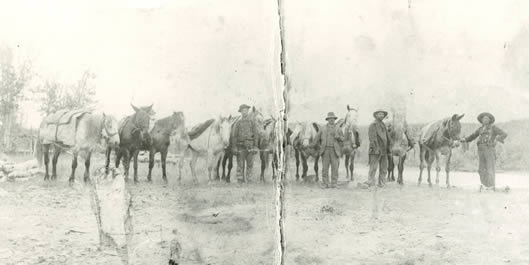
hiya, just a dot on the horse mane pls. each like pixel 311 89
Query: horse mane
pixel 198 129
pixel 268 121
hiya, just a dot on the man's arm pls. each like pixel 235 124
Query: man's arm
pixel 500 134
pixel 473 136
pixel 372 133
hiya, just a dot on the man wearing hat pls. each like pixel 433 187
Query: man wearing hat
pixel 330 138
pixel 246 137
pixel 379 143
pixel 488 135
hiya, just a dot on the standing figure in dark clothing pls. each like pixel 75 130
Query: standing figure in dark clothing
pixel 379 145
pixel 330 138
pixel 246 137
pixel 487 136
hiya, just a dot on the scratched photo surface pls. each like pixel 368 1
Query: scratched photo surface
pixel 180 70
pixel 97 88
pixel 422 61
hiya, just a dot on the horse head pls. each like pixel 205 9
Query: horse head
pixel 224 129
pixel 109 130
pixel 453 129
pixel 178 121
pixel 141 120
pixel 308 133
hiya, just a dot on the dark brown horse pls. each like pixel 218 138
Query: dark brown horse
pixel 438 138
pixel 133 134
pixel 159 139
pixel 268 145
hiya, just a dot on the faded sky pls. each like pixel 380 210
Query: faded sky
pixel 207 57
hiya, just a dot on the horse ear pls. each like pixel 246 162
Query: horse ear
pixel 229 117
pixel 134 107
pixel 253 109
pixel 150 108
pixel 461 116
pixel 348 108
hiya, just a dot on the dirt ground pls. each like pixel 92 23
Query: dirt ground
pixel 52 223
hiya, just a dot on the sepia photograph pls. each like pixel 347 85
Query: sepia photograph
pixel 277 132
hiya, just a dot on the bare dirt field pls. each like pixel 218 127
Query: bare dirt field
pixel 52 223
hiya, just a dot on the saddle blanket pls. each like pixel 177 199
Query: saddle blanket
pixel 61 127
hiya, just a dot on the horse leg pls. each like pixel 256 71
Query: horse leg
pixel 264 162
pixel 352 165
pixel 74 167
pixel 400 179
pixel 305 166
pixel 391 167
pixel 87 167
pixel 437 168
pixel 224 162
pixel 447 168
pixel 219 163
pixel 429 162
pixel 126 162
pixel 297 155
pixel 56 153
pixel 230 166
pixel 107 159
pixel 135 156
pixel 152 153
pixel 275 165
pixel 164 163
pixel 180 166
pixel 347 166
pixel 422 155
pixel 46 151
pixel 119 155
pixel 316 168
pixel 192 165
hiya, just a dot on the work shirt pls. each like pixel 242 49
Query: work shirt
pixel 488 134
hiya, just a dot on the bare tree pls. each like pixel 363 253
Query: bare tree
pixel 13 80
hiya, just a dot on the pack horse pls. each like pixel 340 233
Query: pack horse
pixel 80 131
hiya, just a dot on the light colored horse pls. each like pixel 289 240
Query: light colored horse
pixel 303 140
pixel 268 145
pixel 210 144
pixel 349 127
pixel 438 138
pixel 91 130
pixel 401 144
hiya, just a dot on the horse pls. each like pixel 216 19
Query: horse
pixel 208 139
pixel 268 144
pixel 227 157
pixel 348 125
pixel 90 130
pixel 133 135
pixel 160 139
pixel 400 144
pixel 437 138
pixel 303 140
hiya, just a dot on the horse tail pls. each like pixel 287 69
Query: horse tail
pixel 38 152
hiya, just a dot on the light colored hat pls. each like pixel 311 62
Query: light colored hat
pixel 383 111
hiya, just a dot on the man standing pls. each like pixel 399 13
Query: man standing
pixel 488 135
pixel 246 137
pixel 331 138
pixel 379 143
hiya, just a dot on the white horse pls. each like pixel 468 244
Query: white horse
pixel 81 132
pixel 209 140
pixel 349 128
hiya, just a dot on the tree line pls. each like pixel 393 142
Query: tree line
pixel 19 82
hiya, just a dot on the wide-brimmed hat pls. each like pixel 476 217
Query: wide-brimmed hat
pixel 331 115
pixel 243 106
pixel 491 117
pixel 383 111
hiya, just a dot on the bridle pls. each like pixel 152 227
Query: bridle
pixel 104 127
pixel 447 132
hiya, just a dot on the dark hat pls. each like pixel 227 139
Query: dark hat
pixel 243 106
pixel 383 111
pixel 331 115
pixel 491 117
